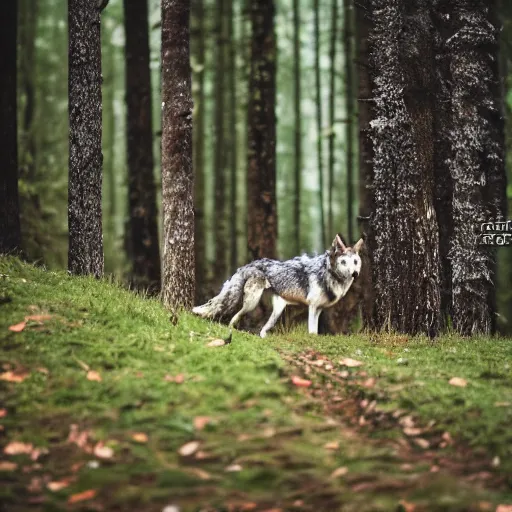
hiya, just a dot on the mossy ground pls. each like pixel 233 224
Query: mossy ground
pixel 286 441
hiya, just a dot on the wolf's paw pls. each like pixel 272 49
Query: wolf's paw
pixel 263 334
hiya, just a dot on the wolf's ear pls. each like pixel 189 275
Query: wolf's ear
pixel 338 245
pixel 359 245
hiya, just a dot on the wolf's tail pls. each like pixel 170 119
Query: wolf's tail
pixel 229 300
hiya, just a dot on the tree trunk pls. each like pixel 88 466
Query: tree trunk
pixel 298 126
pixel 366 203
pixel 178 276
pixel 10 235
pixel 404 227
pixel 261 170
pixel 319 122
pixel 332 115
pixel 145 249
pixel 85 255
pixel 198 81
pixel 477 165
pixel 349 99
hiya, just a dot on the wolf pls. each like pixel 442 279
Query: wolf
pixel 317 282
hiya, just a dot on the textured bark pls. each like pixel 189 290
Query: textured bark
pixel 10 235
pixel 261 171
pixel 477 163
pixel 366 203
pixel 319 122
pixel 332 115
pixel 145 249
pixel 85 255
pixel 198 34
pixel 298 126
pixel 349 100
pixel 405 246
pixel 178 273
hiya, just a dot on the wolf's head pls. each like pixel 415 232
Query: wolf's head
pixel 345 262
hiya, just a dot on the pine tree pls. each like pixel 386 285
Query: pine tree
pixel 85 255
pixel 178 273
pixel 298 125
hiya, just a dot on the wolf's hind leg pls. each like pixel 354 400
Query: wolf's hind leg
pixel 278 304
pixel 253 291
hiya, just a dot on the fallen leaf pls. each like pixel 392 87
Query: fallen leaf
pixel 103 452
pixel 38 318
pixel 457 381
pixel 201 421
pixel 435 469
pixel 17 448
pixel 58 485
pixel 189 449
pixel 94 376
pixel 422 443
pixel 333 445
pixel 412 432
pixel 350 363
pixel 78 437
pixel 339 472
pixel 14 376
pixel 504 508
pixel 248 506
pixel 178 379
pixel 18 327
pixel 302 383
pixel 233 468
pixel 3 413
pixel 200 473
pixel 216 343
pixel 406 506
pixel 447 438
pixel 82 496
pixel 140 437
pixel 369 383
pixel 37 452
pixel 7 466
pixel 503 404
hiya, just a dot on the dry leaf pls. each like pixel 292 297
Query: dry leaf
pixel 504 508
pixel 298 381
pixel 3 413
pixel 351 363
pixel 38 318
pixel 422 443
pixel 201 421
pixel 447 438
pixel 179 379
pixel 17 448
pixel 58 485
pixel 189 449
pixel 457 381
pixel 82 496
pixel 233 468
pixel 369 383
pixel 94 376
pixel 333 445
pixel 339 472
pixel 18 327
pixel 412 432
pixel 78 437
pixel 408 507
pixel 14 376
pixel 140 437
pixel 37 452
pixel 7 466
pixel 103 452
pixel 216 343
pixel 200 473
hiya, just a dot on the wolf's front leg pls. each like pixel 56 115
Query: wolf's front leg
pixel 314 315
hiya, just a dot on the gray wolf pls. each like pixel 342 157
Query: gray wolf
pixel 318 282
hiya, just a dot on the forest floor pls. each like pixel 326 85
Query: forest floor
pixel 106 406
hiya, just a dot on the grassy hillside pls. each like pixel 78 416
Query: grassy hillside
pixel 108 406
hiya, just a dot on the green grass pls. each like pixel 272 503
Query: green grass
pixel 273 430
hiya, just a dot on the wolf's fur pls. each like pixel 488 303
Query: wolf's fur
pixel 318 282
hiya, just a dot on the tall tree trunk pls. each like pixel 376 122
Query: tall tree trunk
pixel 319 121
pixel 349 99
pixel 198 33
pixel 261 170
pixel 332 115
pixel 298 125
pixel 178 276
pixel 145 249
pixel 85 254
pixel 477 165
pixel 10 234
pixel 366 203
pixel 220 231
pixel 404 224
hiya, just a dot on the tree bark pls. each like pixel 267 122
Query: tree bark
pixel 145 249
pixel 10 234
pixel 261 170
pixel 319 122
pixel 85 254
pixel 477 164
pixel 404 227
pixel 178 276
pixel 298 126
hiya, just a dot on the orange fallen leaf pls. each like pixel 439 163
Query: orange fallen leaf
pixel 17 448
pixel 8 466
pixel 412 432
pixel 350 363
pixel 92 375
pixel 407 507
pixel 3 413
pixel 504 508
pixel 37 452
pixel 339 472
pixel 103 452
pixel 369 383
pixel 14 376
pixel 189 449
pixel 140 437
pixel 201 421
pixel 333 445
pixel 82 496
pixel 233 468
pixel 57 485
pixel 457 381
pixel 303 383
pixel 200 473
pixel 18 327
pixel 178 379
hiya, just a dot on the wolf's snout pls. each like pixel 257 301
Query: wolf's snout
pixel 355 274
